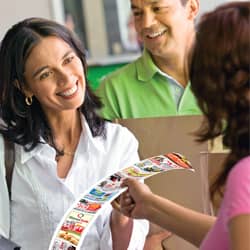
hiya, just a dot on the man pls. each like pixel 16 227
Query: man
pixel 156 84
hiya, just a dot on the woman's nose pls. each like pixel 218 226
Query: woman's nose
pixel 63 77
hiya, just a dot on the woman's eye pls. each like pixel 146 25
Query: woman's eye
pixel 68 60
pixel 44 75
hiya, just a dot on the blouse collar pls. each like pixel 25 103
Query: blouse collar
pixel 89 140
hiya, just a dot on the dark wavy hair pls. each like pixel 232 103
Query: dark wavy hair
pixel 220 79
pixel 26 125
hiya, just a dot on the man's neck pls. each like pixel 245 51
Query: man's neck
pixel 175 67
pixel 176 64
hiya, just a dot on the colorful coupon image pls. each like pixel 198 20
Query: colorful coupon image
pixel 149 166
pixel 98 195
pixel 179 160
pixel 136 172
pixel 87 206
pixel 81 215
pixel 143 163
pixel 111 184
pixel 61 244
pixel 74 225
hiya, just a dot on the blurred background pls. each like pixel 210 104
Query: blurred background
pixel 105 27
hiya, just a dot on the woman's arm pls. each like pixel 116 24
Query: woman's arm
pixel 126 233
pixel 239 231
pixel 140 202
pixel 121 230
pixel 184 222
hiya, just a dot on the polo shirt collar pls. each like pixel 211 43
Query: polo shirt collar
pixel 145 67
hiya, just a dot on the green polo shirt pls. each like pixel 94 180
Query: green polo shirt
pixel 138 90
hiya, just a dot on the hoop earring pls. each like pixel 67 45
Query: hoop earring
pixel 28 100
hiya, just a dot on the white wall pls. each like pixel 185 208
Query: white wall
pixel 206 5
pixel 12 11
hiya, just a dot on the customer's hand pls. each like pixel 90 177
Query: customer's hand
pixel 136 200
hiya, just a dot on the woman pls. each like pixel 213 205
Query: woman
pixel 62 146
pixel 221 82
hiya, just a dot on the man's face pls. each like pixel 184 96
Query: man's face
pixel 164 26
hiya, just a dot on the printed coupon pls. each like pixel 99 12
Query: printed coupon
pixel 76 222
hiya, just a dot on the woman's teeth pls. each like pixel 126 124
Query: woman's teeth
pixel 69 92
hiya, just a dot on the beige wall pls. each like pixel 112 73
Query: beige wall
pixel 12 11
pixel 95 27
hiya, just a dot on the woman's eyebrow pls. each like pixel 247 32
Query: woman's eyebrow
pixel 45 67
pixel 38 71
pixel 67 53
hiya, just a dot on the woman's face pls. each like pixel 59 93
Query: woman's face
pixel 54 74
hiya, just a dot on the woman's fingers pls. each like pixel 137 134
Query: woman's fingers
pixel 116 205
pixel 126 199
pixel 127 210
pixel 126 182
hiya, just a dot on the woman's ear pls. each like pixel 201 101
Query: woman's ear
pixel 17 84
pixel 23 88
pixel 193 8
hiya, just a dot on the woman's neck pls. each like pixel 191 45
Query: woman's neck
pixel 66 130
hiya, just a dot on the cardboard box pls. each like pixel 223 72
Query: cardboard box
pixel 213 161
pixel 176 134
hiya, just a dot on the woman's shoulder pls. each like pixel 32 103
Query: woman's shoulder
pixel 241 168
pixel 239 176
pixel 116 133
pixel 117 129
pixel 237 189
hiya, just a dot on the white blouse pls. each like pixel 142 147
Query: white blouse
pixel 40 198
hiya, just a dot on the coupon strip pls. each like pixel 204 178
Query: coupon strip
pixel 76 222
